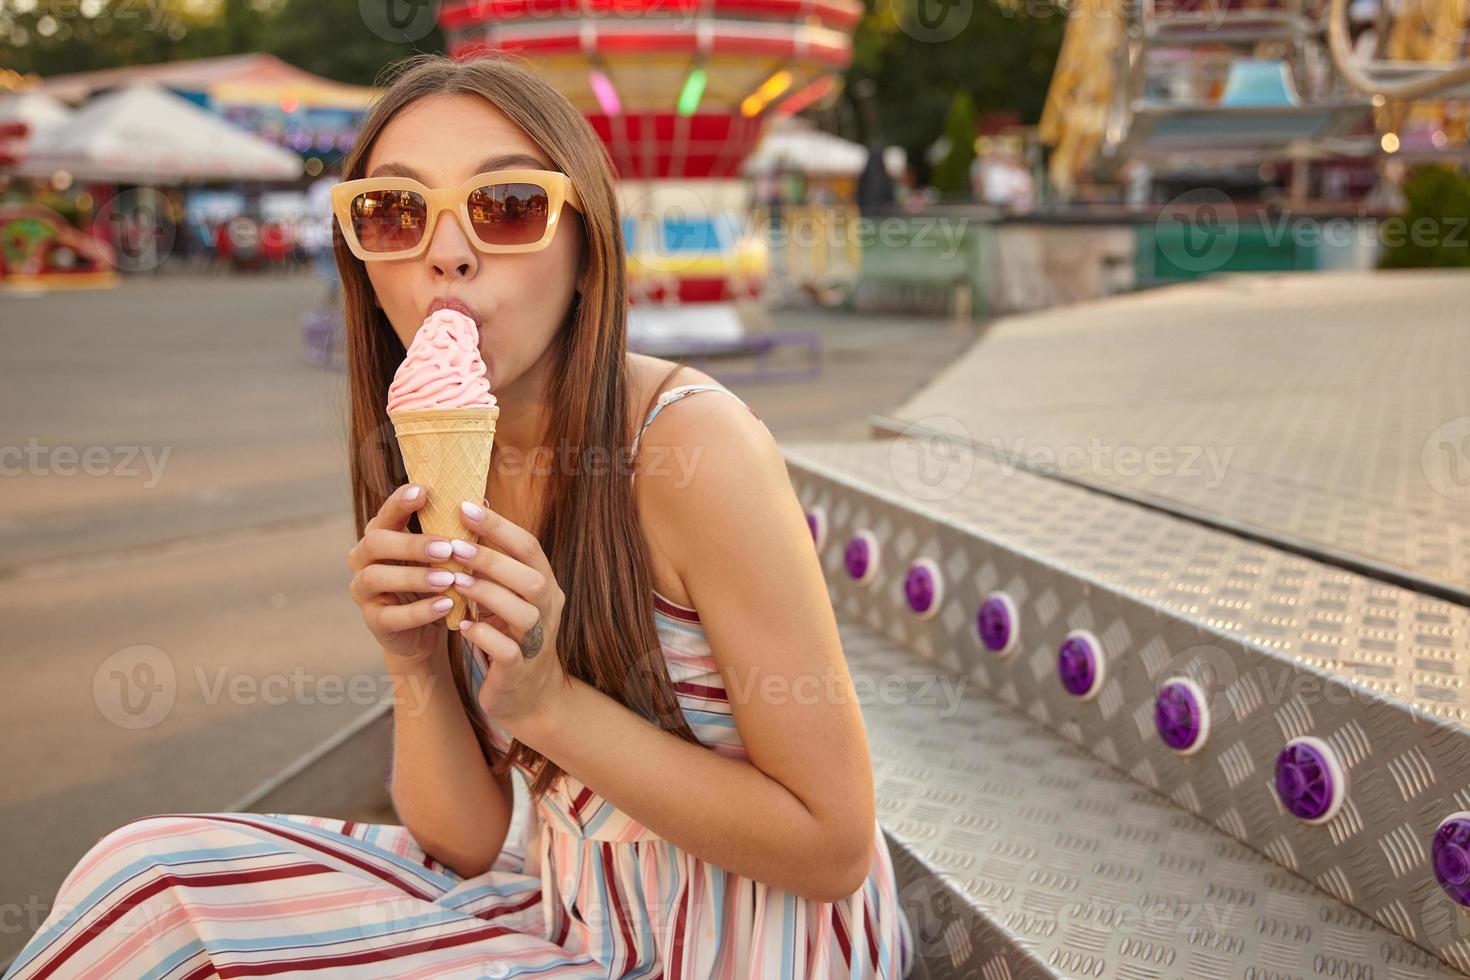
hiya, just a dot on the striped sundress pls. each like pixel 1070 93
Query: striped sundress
pixel 586 891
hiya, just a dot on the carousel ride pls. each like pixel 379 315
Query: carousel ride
pixel 1180 87
pixel 680 93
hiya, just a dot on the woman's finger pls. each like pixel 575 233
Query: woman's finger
pixel 491 565
pixel 379 579
pixel 398 508
pixel 382 545
pixel 493 641
pixel 505 536
pixel 510 608
pixel 394 618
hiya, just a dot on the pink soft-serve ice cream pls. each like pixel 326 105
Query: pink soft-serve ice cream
pixel 443 368
pixel 444 416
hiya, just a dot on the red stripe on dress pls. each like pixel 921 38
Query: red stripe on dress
pixel 702 690
pixel 166 880
pixel 674 612
pixel 499 910
pixel 347 856
pixel 677 966
pixel 872 936
pixel 617 907
pixel 843 942
pixel 206 969
pixel 581 801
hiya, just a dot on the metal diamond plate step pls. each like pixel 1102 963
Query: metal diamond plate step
pixel 1327 412
pixel 1019 855
pixel 1281 646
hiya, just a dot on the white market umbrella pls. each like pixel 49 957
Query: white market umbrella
pixel 144 133
pixel 794 146
pixel 36 109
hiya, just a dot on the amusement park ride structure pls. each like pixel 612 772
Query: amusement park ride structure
pixel 680 92
pixel 1179 85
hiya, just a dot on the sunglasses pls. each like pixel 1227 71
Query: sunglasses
pixel 500 211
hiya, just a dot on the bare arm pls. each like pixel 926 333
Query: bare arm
pixel 443 790
pixel 722 810
pixel 800 813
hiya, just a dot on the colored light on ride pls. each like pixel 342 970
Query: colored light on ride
pixel 806 96
pixel 756 101
pixel 692 91
pixel 607 95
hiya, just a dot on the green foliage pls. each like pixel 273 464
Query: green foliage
pixel 952 175
pixel 920 52
pixel 327 37
pixel 1434 230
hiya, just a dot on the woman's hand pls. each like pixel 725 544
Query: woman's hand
pixel 520 607
pixel 392 583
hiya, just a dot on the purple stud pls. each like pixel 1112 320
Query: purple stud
pixel 923 587
pixel 1080 664
pixel 1309 780
pixel 997 623
pixel 1451 854
pixel 1182 715
pixel 861 557
pixel 816 522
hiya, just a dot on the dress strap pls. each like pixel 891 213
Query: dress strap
pixel 673 395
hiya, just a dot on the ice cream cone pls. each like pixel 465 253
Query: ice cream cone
pixel 447 452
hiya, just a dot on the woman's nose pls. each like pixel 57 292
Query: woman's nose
pixel 450 252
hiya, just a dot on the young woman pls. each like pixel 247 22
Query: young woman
pixel 702 796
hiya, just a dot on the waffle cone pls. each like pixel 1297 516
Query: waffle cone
pixel 447 452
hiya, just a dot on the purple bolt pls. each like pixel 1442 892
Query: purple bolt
pixel 811 523
pixel 857 557
pixel 1451 854
pixel 1304 781
pixel 1077 664
pixel 918 587
pixel 994 623
pixel 1178 716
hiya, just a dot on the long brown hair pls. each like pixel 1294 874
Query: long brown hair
pixel 589 527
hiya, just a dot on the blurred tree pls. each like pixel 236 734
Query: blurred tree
pixel 328 37
pixel 952 175
pixel 1434 230
pixel 920 52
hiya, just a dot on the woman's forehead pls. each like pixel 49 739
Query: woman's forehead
pixel 447 138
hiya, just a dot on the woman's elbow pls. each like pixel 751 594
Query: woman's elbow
pixel 848 868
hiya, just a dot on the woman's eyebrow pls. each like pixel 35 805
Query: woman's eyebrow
pixel 500 162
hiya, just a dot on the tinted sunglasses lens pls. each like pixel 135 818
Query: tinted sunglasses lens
pixel 509 214
pixel 389 221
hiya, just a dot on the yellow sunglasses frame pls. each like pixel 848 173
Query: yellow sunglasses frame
pixel 558 187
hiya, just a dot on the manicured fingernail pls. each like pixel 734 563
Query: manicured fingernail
pixel 473 511
pixel 463 581
pixel 439 605
pixel 439 549
pixel 465 624
pixel 412 493
pixel 440 577
pixel 463 548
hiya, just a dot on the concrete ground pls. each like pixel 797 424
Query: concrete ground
pixel 174 621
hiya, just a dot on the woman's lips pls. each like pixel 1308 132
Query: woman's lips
pixel 458 306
